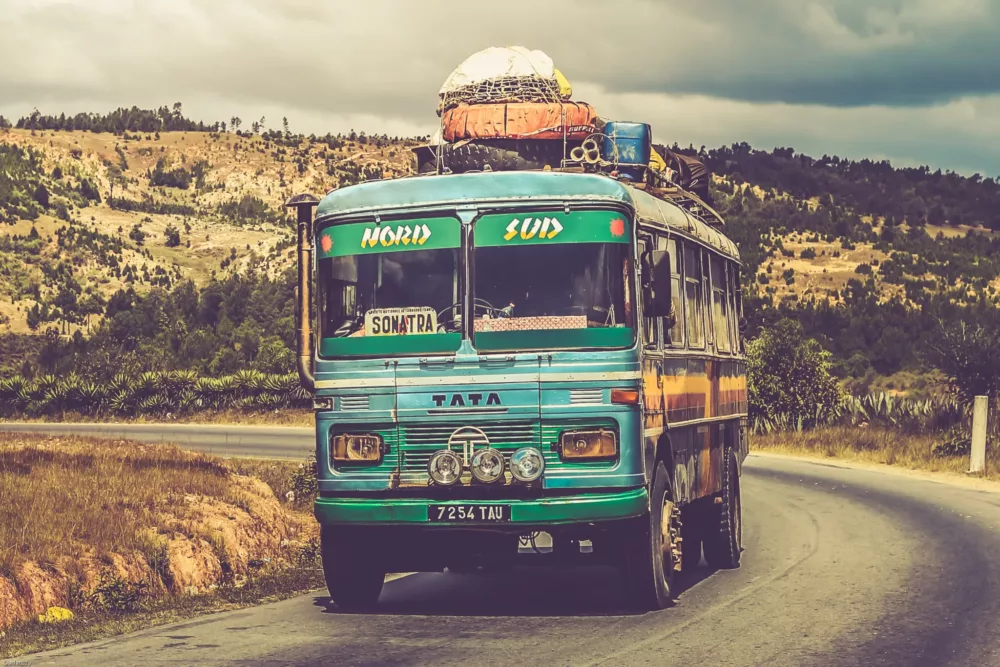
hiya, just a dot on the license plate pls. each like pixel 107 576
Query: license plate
pixel 468 513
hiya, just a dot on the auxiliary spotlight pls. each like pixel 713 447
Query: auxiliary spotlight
pixel 527 464
pixel 487 466
pixel 445 467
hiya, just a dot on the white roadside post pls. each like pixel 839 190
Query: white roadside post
pixel 979 410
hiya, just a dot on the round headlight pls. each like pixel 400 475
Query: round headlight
pixel 527 464
pixel 445 467
pixel 487 466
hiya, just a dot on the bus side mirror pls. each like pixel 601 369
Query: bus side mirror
pixel 660 301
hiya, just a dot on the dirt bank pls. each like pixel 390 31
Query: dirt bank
pixel 92 524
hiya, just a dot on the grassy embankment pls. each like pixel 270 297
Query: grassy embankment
pixel 876 445
pixel 283 417
pixel 128 535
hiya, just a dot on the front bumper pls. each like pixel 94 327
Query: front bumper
pixel 580 508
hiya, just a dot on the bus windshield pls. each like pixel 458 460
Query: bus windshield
pixel 389 288
pixel 555 281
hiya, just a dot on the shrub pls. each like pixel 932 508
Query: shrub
pixel 173 236
pixel 153 394
pixel 969 355
pixel 162 175
pixel 788 376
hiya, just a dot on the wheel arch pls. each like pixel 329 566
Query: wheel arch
pixel 679 485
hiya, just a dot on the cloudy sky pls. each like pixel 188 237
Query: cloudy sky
pixel 915 81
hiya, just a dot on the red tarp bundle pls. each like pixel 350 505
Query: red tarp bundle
pixel 519 120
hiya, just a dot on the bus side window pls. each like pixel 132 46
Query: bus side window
pixel 674 334
pixel 694 296
pixel 720 305
pixel 649 327
pixel 735 307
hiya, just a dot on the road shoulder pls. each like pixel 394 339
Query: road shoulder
pixel 952 479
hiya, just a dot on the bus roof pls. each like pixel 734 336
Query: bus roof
pixel 519 187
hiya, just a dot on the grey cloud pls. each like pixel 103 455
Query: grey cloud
pixel 389 57
pixel 329 64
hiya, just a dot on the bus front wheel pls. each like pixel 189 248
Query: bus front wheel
pixel 353 577
pixel 652 548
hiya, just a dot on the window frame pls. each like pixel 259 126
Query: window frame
pixel 716 259
pixel 699 284
pixel 644 244
pixel 674 247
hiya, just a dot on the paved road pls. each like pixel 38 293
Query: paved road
pixel 273 442
pixel 842 567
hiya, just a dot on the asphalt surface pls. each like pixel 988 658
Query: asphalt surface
pixel 272 442
pixel 841 567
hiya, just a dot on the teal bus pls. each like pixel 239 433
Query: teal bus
pixel 497 356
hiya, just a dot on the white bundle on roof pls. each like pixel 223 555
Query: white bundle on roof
pixel 501 74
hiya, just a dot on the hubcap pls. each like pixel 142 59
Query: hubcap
pixel 670 537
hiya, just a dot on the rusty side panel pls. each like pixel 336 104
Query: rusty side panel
pixel 694 391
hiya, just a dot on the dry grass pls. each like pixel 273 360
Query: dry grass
pixel 93 624
pixel 874 445
pixel 282 477
pixel 825 273
pixel 184 533
pixel 284 417
pixel 58 491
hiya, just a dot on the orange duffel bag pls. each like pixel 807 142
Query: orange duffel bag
pixel 519 120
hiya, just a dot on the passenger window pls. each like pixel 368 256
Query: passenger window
pixel 649 328
pixel 675 333
pixel 694 296
pixel 736 306
pixel 720 305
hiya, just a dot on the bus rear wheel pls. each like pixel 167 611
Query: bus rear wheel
pixel 353 576
pixel 652 548
pixel 724 539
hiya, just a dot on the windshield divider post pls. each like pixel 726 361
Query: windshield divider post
pixel 465 284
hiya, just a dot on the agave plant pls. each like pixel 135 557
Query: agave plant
pixel 187 401
pixel 121 382
pixel 217 393
pixel 175 382
pixel 147 385
pixel 14 395
pixel 155 405
pixel 93 397
pixel 122 403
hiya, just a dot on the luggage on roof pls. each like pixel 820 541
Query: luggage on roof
pixel 691 173
pixel 520 120
pixel 502 74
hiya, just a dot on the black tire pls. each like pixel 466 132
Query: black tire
pixel 497 154
pixel 650 581
pixel 723 546
pixel 691 531
pixel 354 577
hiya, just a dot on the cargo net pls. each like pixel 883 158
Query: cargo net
pixel 501 90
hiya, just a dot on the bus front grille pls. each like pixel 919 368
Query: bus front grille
pixel 418 441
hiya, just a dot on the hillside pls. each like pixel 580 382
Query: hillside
pixel 98 213
pixel 85 214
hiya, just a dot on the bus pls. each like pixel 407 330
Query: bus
pixel 498 356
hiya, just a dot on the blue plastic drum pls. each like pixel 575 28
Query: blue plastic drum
pixel 628 145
